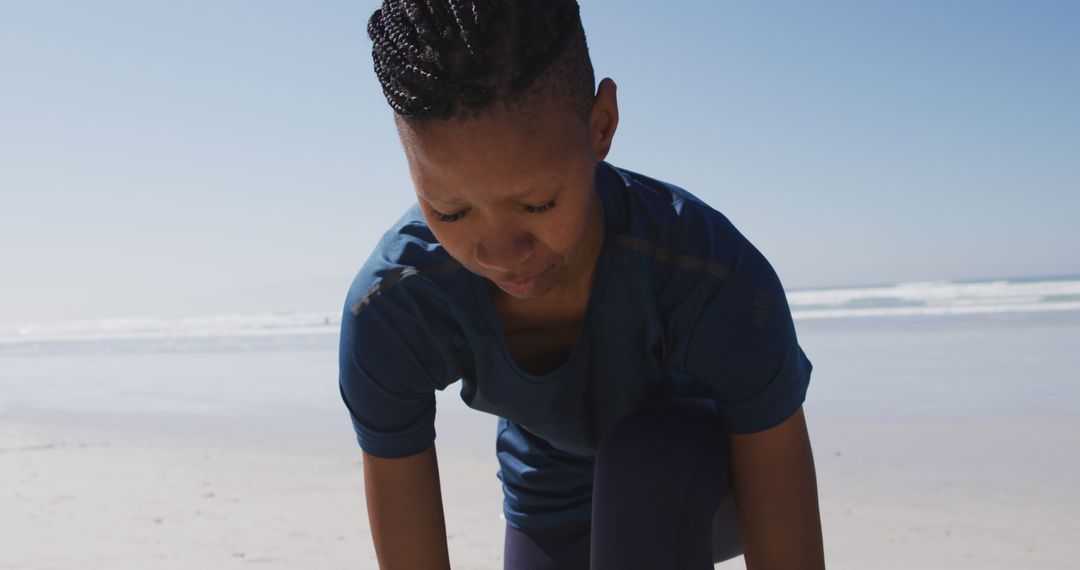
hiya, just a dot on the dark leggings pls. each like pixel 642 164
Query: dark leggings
pixel 661 499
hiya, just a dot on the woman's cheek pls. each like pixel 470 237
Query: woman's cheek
pixel 567 236
pixel 452 243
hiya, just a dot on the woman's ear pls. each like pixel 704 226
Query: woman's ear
pixel 604 119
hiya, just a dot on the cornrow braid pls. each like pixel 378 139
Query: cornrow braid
pixel 442 58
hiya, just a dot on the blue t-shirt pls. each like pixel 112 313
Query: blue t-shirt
pixel 682 305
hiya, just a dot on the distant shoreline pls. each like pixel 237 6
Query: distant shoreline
pixel 1012 300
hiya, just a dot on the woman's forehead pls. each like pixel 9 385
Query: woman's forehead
pixel 512 189
pixel 491 132
pixel 447 158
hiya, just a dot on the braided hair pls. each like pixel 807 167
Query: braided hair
pixel 456 58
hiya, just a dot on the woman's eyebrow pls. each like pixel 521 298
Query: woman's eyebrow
pixel 543 187
pixel 427 198
pixel 536 189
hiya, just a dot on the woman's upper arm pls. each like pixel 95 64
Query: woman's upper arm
pixel 394 353
pixel 744 347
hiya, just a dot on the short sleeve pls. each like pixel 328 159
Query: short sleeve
pixel 745 348
pixel 389 368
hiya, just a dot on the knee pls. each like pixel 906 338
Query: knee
pixel 676 436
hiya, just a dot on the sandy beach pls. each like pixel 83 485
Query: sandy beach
pixel 114 478
pixel 210 493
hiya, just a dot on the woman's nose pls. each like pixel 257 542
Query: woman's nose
pixel 503 249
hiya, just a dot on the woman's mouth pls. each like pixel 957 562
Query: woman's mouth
pixel 521 286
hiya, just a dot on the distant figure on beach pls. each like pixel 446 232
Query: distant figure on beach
pixel 637 349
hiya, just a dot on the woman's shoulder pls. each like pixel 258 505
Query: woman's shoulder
pixel 406 259
pixel 675 228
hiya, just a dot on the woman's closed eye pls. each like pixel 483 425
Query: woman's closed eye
pixel 528 208
pixel 447 217
pixel 541 208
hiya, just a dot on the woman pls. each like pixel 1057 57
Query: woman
pixel 638 350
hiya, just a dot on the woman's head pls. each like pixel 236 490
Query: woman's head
pixel 438 59
pixel 502 129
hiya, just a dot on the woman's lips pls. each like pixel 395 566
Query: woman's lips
pixel 520 286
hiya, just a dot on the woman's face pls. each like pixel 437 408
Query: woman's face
pixel 514 200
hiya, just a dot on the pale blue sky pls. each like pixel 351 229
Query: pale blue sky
pixel 164 158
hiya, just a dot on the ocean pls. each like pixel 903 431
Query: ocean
pixel 859 305
pixel 1001 346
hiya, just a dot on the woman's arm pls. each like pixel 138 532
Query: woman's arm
pixel 404 504
pixel 776 497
